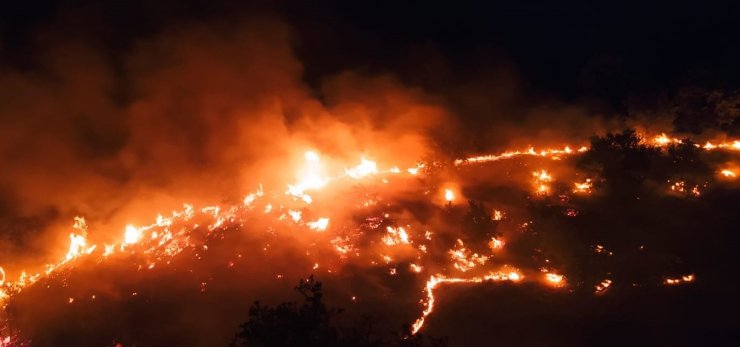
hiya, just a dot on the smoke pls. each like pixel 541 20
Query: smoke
pixel 197 113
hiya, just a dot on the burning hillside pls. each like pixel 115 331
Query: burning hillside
pixel 433 224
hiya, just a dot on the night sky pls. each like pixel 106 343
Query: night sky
pixel 119 111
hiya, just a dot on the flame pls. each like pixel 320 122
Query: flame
pixel 663 140
pixel 435 280
pixel 542 175
pixel 366 167
pixel 463 259
pixel 132 235
pixel 541 178
pixel 555 279
pixel 728 173
pixel 551 153
pixel 496 243
pixel 311 176
pixel 319 224
pixel 449 195
pixel 603 286
pixel 396 236
pixel 583 187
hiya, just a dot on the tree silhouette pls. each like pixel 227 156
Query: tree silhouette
pixel 623 160
pixel 313 324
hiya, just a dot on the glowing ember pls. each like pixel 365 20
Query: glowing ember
pixel 540 181
pixel 463 259
pixel 496 243
pixel 396 236
pixel 680 280
pixel 542 176
pixel 603 286
pixel 583 187
pixel 555 279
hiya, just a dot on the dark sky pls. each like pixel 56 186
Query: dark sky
pixel 640 45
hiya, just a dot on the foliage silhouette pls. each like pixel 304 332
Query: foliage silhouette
pixel 314 324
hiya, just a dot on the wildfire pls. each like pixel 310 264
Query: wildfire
pixel 162 243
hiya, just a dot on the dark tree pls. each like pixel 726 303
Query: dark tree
pixel 623 160
pixel 313 324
